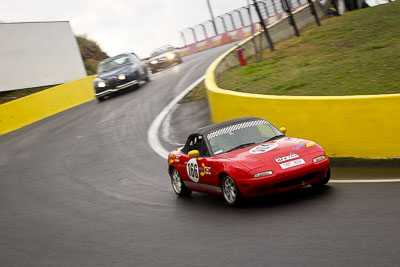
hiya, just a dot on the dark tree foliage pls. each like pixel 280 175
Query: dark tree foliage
pixel 91 53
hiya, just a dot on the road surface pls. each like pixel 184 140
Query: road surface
pixel 83 188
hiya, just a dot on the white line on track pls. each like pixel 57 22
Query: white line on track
pixel 166 134
pixel 155 144
pixel 349 181
pixel 152 133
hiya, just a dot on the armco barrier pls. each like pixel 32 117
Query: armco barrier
pixel 242 32
pixel 31 108
pixel 345 126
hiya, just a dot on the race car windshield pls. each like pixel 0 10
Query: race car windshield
pixel 162 50
pixel 241 135
pixel 113 63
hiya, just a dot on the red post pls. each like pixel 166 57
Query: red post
pixel 240 53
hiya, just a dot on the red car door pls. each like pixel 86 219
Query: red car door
pixel 196 172
pixel 208 174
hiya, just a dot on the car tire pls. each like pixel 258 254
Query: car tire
pixel 154 70
pixel 138 85
pixel 147 79
pixel 177 185
pixel 179 61
pixel 230 191
pixel 100 98
pixel 323 182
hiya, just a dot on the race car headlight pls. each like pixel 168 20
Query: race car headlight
pixel 101 84
pixel 171 56
pixel 154 62
pixel 121 77
pixel 318 159
pixel 262 174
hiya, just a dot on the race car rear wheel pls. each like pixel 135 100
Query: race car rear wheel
pixel 230 191
pixel 178 185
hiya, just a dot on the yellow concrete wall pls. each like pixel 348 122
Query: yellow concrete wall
pixel 347 126
pixel 31 108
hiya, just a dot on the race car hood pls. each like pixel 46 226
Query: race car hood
pixel 272 152
pixel 114 72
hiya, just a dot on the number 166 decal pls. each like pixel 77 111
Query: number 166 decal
pixel 193 170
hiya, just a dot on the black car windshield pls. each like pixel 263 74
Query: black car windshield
pixel 241 135
pixel 113 63
pixel 162 50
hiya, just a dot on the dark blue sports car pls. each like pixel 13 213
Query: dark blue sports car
pixel 118 73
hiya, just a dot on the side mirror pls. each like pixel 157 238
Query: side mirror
pixel 194 154
pixel 283 130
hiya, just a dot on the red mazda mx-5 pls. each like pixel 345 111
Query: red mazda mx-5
pixel 245 157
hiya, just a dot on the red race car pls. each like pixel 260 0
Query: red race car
pixel 245 157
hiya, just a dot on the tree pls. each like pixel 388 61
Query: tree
pixel 91 53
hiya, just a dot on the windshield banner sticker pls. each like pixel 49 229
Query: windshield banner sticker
pixel 235 127
pixel 263 148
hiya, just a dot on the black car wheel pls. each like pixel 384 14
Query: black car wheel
pixel 100 98
pixel 179 60
pixel 154 70
pixel 139 83
pixel 178 185
pixel 230 191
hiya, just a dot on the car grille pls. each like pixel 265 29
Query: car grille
pixel 296 181
pixel 112 82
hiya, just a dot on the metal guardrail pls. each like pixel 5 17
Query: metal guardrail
pixel 235 25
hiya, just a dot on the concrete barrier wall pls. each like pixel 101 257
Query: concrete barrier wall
pixel 345 126
pixel 35 54
pixel 31 108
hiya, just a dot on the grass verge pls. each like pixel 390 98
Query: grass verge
pixel 357 53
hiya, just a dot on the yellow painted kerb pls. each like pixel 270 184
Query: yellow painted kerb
pixel 31 108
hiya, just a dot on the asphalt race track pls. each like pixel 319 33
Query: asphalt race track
pixel 83 188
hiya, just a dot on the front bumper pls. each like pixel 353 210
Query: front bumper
pixel 163 64
pixel 252 187
pixel 116 89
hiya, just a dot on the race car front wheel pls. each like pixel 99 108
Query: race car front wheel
pixel 230 191
pixel 177 184
pixel 324 181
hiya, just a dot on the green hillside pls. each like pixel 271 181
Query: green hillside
pixel 357 53
pixel 91 53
